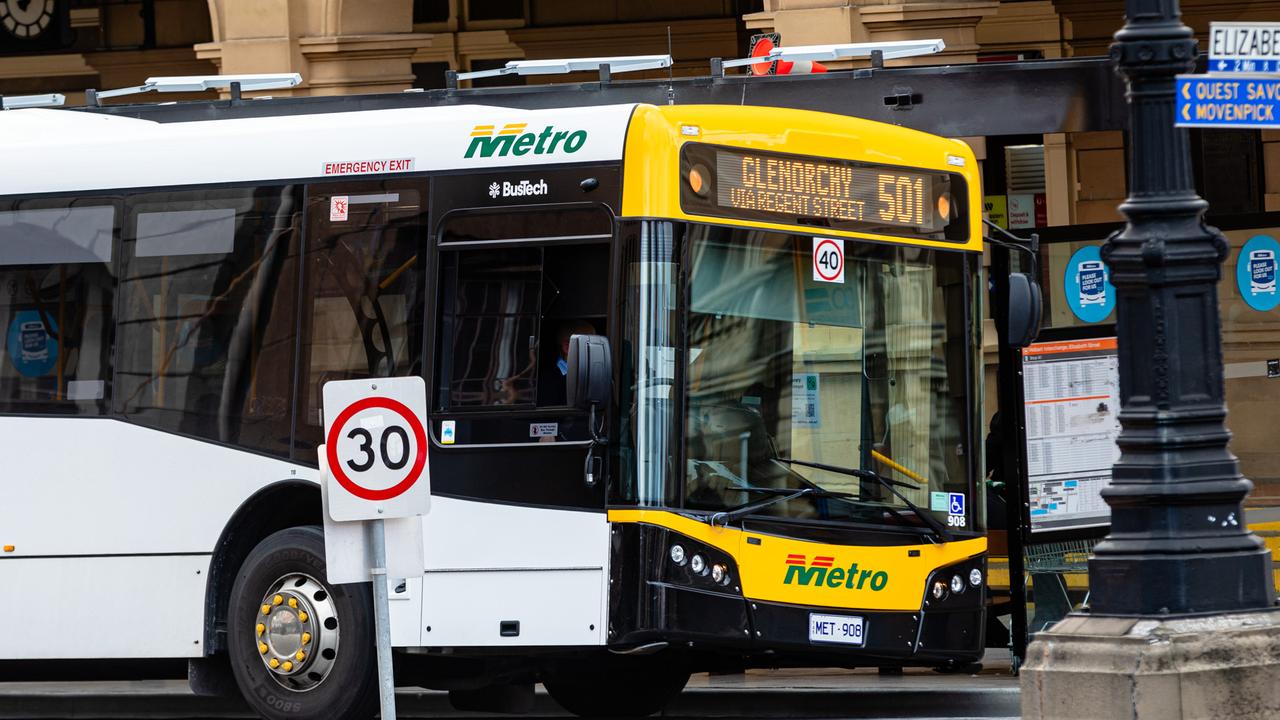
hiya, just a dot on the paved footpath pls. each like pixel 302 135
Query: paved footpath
pixel 827 693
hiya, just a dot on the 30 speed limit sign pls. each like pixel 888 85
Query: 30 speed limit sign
pixel 376 448
pixel 828 260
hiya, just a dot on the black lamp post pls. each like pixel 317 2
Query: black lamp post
pixel 1178 542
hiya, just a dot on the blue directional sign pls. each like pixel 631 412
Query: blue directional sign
pixel 1228 101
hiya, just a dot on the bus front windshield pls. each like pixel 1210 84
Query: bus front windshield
pixel 847 354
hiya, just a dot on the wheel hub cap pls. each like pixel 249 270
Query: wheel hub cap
pixel 296 632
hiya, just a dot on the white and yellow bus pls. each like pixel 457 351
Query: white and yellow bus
pixel 784 466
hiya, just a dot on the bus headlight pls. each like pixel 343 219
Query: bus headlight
pixel 698 565
pixel 717 573
pixel 939 590
pixel 975 577
pixel 957 584
pixel 677 554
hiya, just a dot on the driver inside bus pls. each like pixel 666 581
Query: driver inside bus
pixel 554 384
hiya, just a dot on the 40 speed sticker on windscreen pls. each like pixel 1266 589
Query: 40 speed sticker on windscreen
pixel 828 260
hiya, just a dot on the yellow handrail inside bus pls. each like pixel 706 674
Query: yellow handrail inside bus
pixel 395 274
pixel 895 466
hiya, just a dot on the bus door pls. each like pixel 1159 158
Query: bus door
pixel 517 544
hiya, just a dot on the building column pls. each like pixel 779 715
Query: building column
pixel 818 22
pixel 340 47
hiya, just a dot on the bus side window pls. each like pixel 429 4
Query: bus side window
pixel 575 302
pixel 362 305
pixel 56 290
pixel 493 313
pixel 507 311
pixel 206 333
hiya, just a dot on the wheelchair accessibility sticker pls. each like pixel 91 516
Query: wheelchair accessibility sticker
pixel 955 509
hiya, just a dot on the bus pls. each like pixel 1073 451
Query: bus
pixel 778 464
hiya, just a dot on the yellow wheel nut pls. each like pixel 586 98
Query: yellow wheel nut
pixel 262 648
pixel 274 663
pixel 266 609
pixel 287 666
pixel 299 656
pixel 293 602
pixel 306 638
pixel 302 616
pixel 260 629
pixel 277 600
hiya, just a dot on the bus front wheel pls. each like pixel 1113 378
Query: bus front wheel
pixel 300 648
pixel 616 692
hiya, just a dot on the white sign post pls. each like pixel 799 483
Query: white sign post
pixel 374 464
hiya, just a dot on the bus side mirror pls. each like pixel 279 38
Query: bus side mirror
pixel 589 382
pixel 1024 310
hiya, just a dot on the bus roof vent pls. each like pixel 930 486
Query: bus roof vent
pixel 617 64
pixel 15 102
pixel 198 83
pixel 888 50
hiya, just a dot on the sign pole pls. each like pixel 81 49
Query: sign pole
pixel 375 462
pixel 382 618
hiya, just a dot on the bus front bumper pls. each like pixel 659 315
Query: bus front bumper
pixel 930 637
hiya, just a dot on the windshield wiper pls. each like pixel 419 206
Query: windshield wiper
pixel 845 471
pixel 938 528
pixel 779 495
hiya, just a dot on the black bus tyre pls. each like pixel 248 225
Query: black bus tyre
pixel 301 648
pixel 620 693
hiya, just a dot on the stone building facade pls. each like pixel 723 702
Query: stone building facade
pixel 1074 181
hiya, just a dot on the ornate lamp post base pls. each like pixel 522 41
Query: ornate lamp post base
pixel 1215 667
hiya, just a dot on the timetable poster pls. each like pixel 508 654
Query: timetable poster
pixel 1072 404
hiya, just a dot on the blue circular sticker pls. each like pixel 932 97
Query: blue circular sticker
pixel 32 349
pixel 1087 284
pixel 1256 272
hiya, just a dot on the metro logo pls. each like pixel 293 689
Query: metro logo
pixel 820 573
pixel 513 140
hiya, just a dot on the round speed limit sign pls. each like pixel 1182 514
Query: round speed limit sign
pixel 376 448
pixel 828 260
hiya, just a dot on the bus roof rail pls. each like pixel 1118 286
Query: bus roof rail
pixel 889 50
pixel 617 64
pixel 14 102
pixel 198 83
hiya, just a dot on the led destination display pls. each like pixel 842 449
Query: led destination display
pixel 817 191
pixel 809 188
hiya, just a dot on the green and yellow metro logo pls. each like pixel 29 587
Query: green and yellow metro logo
pixel 513 140
pixel 820 573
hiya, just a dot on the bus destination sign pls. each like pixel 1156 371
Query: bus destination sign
pixel 812 188
pixel 801 190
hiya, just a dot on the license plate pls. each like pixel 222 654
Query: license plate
pixel 836 629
